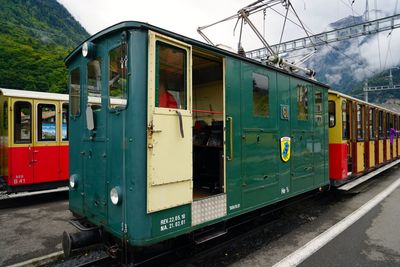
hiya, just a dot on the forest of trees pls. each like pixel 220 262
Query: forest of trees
pixel 35 37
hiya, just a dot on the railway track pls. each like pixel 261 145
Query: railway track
pixel 5 195
pixel 8 200
pixel 188 253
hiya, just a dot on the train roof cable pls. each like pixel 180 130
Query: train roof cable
pixel 330 45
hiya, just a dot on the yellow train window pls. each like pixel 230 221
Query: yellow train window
pixel 372 125
pixel 345 121
pixel 64 126
pixel 360 122
pixel 332 116
pixel 46 122
pixel 22 122
pixel 5 115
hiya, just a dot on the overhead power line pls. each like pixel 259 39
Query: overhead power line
pixel 361 29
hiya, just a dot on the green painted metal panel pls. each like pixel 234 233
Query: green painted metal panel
pixel 320 145
pixel 302 173
pixel 139 223
pixel 260 147
pixel 75 156
pixel 284 124
pixel 233 111
pixel 260 167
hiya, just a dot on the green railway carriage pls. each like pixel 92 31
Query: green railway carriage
pixel 169 135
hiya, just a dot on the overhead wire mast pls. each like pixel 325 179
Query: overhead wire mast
pixel 270 56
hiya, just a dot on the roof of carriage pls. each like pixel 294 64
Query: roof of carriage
pixel 32 94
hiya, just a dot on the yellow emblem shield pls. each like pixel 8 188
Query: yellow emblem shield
pixel 285 148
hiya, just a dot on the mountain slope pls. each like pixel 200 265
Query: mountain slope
pixel 35 36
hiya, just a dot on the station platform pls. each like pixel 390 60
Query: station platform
pixel 33 229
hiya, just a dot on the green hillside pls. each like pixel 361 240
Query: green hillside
pixel 35 36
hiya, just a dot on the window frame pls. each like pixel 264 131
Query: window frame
pixel 267 115
pixel 61 121
pixel 21 141
pixel 39 124
pixel 117 108
pixel 381 129
pixel 329 113
pixel 78 96
pixel 161 42
pixel 360 110
pixel 306 107
pixel 387 124
pixel 5 115
pixel 346 122
pixel 372 123
pixel 94 105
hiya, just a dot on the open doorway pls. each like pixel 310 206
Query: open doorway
pixel 208 125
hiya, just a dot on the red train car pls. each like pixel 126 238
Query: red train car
pixel 33 140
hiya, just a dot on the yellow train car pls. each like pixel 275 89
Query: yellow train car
pixel 362 137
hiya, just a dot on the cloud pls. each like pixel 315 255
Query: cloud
pixel 333 79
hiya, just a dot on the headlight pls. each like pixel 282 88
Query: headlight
pixel 115 195
pixel 88 50
pixel 73 181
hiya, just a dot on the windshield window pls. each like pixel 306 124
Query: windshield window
pixel 94 84
pixel 117 90
pixel 75 92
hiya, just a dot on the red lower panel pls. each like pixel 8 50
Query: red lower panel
pixel 338 161
pixel 47 164
pixel 64 163
pixel 20 168
pixel 29 165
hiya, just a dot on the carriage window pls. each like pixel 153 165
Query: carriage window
pixel 360 124
pixel 372 124
pixel 171 80
pixel 398 124
pixel 318 107
pixel 64 126
pixel 260 95
pixel 75 92
pixel 391 121
pixel 302 103
pixel 22 122
pixel 117 90
pixel 387 127
pixel 5 115
pixel 94 84
pixel 345 121
pixel 46 125
pixel 332 115
pixel 380 127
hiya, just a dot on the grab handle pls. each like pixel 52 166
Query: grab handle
pixel 180 123
pixel 230 137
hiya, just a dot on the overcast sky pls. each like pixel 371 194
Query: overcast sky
pixel 185 16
